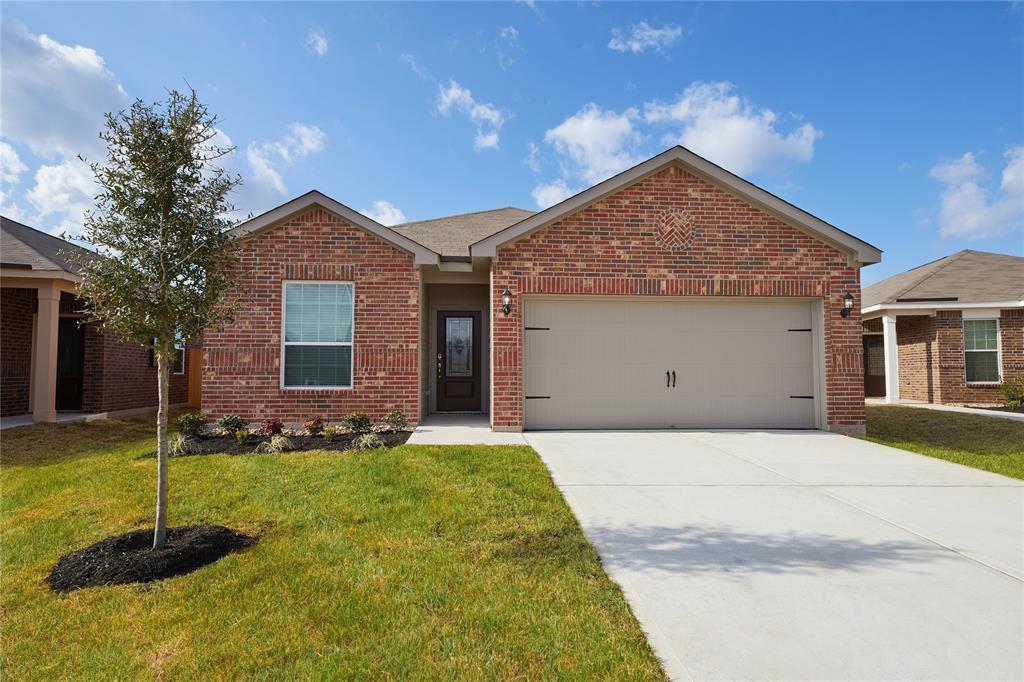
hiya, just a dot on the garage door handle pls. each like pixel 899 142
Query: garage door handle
pixel 673 378
pixel 668 379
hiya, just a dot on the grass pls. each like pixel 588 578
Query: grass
pixel 412 563
pixel 987 443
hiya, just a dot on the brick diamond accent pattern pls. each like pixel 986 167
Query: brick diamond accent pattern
pixel 675 229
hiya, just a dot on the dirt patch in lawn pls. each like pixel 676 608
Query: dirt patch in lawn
pixel 130 558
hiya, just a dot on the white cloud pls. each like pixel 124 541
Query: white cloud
pixel 487 117
pixel 730 131
pixel 265 158
pixel 551 193
pixel 968 209
pixel 54 95
pixel 532 159
pixel 11 166
pixel 65 190
pixel 508 47
pixel 642 37
pixel 385 213
pixel 597 143
pixel 413 63
pixel 532 4
pixel 317 41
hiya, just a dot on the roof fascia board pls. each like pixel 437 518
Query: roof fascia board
pixel 861 253
pixel 422 255
pixel 949 305
pixel 21 273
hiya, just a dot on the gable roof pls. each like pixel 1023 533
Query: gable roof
pixel 423 255
pixel 859 250
pixel 26 247
pixel 964 277
pixel 452 235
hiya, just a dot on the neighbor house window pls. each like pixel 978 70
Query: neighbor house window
pixel 981 350
pixel 318 321
pixel 178 367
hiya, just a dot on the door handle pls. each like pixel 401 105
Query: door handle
pixel 438 365
pixel 673 378
pixel 667 379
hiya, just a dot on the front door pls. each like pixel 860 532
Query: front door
pixel 874 366
pixel 70 363
pixel 458 362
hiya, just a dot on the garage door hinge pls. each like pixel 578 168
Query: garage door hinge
pixel 538 329
pixel 538 397
pixel 798 330
pixel 806 397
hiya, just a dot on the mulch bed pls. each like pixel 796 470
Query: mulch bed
pixel 220 445
pixel 130 558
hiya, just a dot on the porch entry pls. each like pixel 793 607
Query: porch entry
pixel 874 366
pixel 458 361
pixel 70 364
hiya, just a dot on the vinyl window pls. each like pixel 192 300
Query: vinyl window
pixel 318 329
pixel 981 351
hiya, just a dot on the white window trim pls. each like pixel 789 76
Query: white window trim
pixel 999 351
pixel 351 344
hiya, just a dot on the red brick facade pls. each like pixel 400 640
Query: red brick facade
pixel 617 246
pixel 242 374
pixel 16 307
pixel 931 357
pixel 116 375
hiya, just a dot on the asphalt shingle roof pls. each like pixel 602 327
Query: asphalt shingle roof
pixel 24 246
pixel 965 277
pixel 452 235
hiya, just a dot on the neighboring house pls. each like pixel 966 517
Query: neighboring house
pixel 49 361
pixel 946 332
pixel 674 294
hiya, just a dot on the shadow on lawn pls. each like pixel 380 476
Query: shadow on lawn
pixel 697 549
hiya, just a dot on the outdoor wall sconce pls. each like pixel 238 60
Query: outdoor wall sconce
pixel 847 305
pixel 506 301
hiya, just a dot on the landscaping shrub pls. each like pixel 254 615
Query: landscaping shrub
pixel 1013 392
pixel 181 445
pixel 369 441
pixel 357 422
pixel 270 427
pixel 242 436
pixel 191 424
pixel 330 432
pixel 314 425
pixel 232 423
pixel 275 445
pixel 394 421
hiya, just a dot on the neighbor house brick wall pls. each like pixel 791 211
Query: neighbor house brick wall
pixel 16 307
pixel 613 248
pixel 118 375
pixel 918 358
pixel 243 360
pixel 954 387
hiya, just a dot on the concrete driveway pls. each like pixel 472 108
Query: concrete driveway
pixel 802 555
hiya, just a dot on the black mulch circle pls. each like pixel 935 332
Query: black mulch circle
pixel 130 558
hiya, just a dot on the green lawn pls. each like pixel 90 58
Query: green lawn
pixel 987 443
pixel 412 563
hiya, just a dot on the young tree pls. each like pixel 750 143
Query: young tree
pixel 160 224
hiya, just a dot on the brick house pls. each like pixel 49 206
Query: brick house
pixel 50 361
pixel 674 294
pixel 946 332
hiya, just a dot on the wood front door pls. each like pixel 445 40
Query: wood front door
pixel 70 364
pixel 874 366
pixel 458 361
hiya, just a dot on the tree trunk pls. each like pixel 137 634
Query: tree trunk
pixel 163 379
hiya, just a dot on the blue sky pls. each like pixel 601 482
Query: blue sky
pixel 900 123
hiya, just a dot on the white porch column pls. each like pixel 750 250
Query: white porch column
pixel 44 355
pixel 892 362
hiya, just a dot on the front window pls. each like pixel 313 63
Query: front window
pixel 981 350
pixel 318 321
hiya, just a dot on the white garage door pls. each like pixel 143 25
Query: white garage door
pixel 642 363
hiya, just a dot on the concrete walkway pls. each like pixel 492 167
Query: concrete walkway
pixel 998 414
pixel 802 555
pixel 461 429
